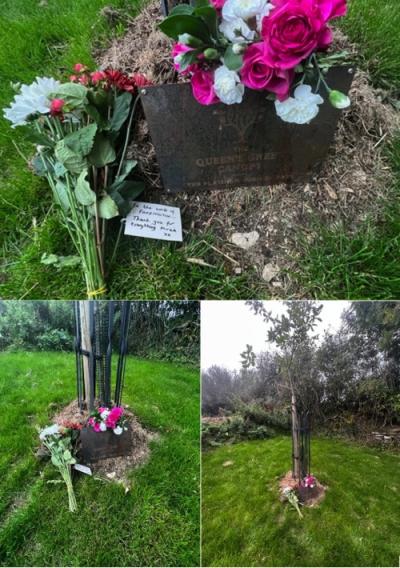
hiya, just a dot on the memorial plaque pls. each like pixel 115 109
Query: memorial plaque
pixel 201 148
pixel 101 445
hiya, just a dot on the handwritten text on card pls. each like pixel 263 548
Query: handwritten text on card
pixel 153 221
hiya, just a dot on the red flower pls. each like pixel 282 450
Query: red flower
pixel 73 78
pixel 72 425
pixel 120 80
pixel 79 67
pixel 83 79
pixel 97 76
pixel 140 80
pixel 56 107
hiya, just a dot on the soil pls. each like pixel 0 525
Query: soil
pixel 115 469
pixel 308 497
pixel 354 177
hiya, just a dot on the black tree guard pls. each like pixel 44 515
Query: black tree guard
pixel 102 316
pixel 304 434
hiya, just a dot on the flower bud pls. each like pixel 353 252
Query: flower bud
pixel 211 53
pixel 238 48
pixel 191 41
pixel 339 100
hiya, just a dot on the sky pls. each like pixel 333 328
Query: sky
pixel 227 326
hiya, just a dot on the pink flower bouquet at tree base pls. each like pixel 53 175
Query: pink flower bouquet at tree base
pixel 276 46
pixel 105 418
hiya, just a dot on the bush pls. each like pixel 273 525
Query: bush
pixel 256 413
pixel 55 340
pixel 233 429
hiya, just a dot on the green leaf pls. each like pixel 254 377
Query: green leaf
pixel 39 138
pixel 81 141
pixel 59 169
pixel 209 15
pixel 61 194
pixel 72 161
pixel 67 455
pixel 83 192
pixel 182 9
pixel 126 169
pixel 128 189
pixel 121 111
pixel 107 208
pixel 102 152
pixel 173 26
pixel 49 259
pixel 55 461
pixel 233 61
pixel 74 94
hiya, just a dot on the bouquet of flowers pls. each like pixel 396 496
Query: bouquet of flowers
pixel 58 442
pixel 81 129
pixel 290 494
pixel 105 418
pixel 274 46
pixel 309 481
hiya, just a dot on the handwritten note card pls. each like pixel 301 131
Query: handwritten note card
pixel 154 221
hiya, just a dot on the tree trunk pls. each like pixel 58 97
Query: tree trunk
pixel 86 346
pixel 295 439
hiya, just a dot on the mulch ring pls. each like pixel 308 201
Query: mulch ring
pixel 115 469
pixel 308 497
pixel 354 178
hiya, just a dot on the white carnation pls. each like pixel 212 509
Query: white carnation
pixel 104 414
pixel 300 109
pixel 31 100
pixel 234 28
pixel 227 86
pixel 118 430
pixel 49 431
pixel 103 426
pixel 246 9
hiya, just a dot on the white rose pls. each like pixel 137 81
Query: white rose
pixel 103 426
pixel 300 109
pixel 118 430
pixel 227 86
pixel 104 414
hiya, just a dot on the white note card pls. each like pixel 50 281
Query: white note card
pixel 153 221
pixel 83 468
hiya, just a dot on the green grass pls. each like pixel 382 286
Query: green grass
pixel 245 524
pixel 374 25
pixel 155 524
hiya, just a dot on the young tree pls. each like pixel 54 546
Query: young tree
pixel 292 335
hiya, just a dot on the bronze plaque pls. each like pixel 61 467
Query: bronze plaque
pixel 218 147
pixel 101 445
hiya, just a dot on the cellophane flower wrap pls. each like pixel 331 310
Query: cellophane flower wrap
pixel 105 418
pixel 275 46
pixel 81 129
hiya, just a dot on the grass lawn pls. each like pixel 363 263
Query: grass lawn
pixel 155 524
pixel 244 523
pixel 48 39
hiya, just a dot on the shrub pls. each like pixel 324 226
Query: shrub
pixel 233 429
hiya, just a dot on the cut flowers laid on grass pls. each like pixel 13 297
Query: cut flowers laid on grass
pixel 81 129
pixel 276 46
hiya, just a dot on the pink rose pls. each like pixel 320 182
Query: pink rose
pixel 332 8
pixel 56 107
pixel 114 416
pixel 203 87
pixel 218 4
pixel 180 49
pixel 293 30
pixel 258 74
pixel 96 427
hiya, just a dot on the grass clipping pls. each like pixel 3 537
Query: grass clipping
pixel 350 186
